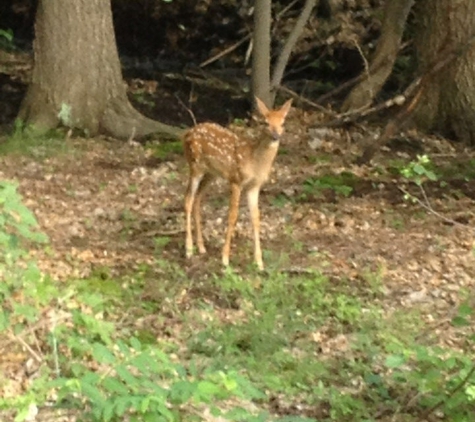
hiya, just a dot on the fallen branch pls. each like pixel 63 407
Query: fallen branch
pixel 304 100
pixel 428 207
pixel 226 51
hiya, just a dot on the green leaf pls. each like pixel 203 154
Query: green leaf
pixel 144 405
pixel 9 33
pixel 431 175
pixel 115 386
pixel 470 392
pixel 127 376
pixel 135 343
pixel 121 405
pixel 102 354
pixel 182 391
pixel 419 169
pixel 108 411
pixel 92 393
pixel 460 321
pixel 207 390
pixel 465 310
pixel 395 361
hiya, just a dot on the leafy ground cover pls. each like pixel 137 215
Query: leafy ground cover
pixel 364 312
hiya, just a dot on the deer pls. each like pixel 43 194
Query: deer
pixel 213 151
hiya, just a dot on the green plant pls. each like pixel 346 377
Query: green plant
pixel 341 184
pixel 7 34
pixel 443 379
pixel 420 170
pixel 165 150
pixel 25 140
pixel 6 39
pixel 160 243
pixel 17 224
pixel 142 382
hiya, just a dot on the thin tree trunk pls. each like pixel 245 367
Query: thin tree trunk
pixel 261 51
pixel 394 21
pixel 76 78
pixel 289 45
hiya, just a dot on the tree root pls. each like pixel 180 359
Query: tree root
pixel 122 121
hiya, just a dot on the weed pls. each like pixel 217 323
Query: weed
pixel 280 200
pixel 160 243
pixel 24 141
pixel 420 170
pixel 165 150
pixel 341 184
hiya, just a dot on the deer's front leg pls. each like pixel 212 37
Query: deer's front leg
pixel 232 218
pixel 253 203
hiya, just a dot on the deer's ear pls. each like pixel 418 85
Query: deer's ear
pixel 261 106
pixel 286 107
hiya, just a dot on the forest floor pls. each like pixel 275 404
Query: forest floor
pixel 112 210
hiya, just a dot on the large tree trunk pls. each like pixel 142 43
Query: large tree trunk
pixel 448 100
pixel 373 79
pixel 77 78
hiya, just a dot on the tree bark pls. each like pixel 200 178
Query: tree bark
pixel 448 100
pixel 373 79
pixel 261 51
pixel 77 78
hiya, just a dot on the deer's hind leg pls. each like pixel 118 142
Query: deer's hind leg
pixel 193 186
pixel 205 182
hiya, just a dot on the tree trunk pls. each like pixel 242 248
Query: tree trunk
pixel 77 77
pixel 373 79
pixel 261 51
pixel 448 100
pixel 289 45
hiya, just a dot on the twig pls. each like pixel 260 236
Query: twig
pixel 339 88
pixel 427 206
pixel 365 62
pixel 36 326
pixel 28 347
pixel 228 50
pixel 187 109
pixel 354 115
pixel 153 233
pixel 305 100
pixel 285 10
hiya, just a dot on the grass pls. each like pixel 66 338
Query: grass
pixel 166 150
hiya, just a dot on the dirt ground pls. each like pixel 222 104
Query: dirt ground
pixel 104 204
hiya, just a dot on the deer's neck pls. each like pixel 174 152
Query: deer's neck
pixel 263 157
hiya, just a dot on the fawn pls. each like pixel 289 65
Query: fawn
pixel 214 151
